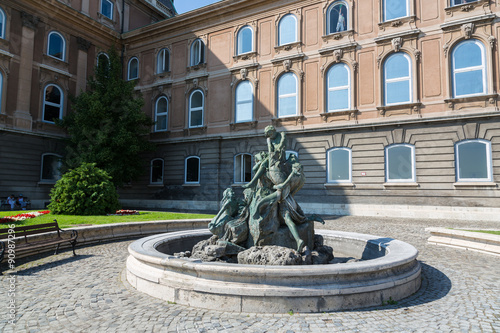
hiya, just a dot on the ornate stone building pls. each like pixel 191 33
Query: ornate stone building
pixel 390 105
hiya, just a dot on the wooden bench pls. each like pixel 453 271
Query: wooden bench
pixel 24 244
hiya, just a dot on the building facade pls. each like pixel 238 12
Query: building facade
pixel 390 105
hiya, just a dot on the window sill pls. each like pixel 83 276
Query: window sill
pixel 195 68
pixel 346 184
pixel 406 108
pixel 156 185
pixel 467 7
pixel 195 130
pixel 191 184
pixel 245 56
pixel 47 182
pixel 339 115
pixel 289 119
pixel 163 75
pixel 480 100
pixel 287 47
pixel 338 35
pixel 402 184
pixel 485 184
pixel 243 125
pixel 397 22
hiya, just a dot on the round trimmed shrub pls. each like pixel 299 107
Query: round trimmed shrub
pixel 86 190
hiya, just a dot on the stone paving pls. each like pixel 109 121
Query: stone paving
pixel 88 293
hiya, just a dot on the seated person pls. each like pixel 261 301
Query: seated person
pixel 12 202
pixel 22 202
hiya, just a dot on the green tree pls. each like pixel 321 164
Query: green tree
pixel 106 125
pixel 86 190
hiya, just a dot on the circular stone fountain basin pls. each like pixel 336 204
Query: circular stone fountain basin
pixel 389 270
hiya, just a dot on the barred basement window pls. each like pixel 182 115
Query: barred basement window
pixel 192 170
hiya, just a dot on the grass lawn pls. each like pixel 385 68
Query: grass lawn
pixel 66 221
pixel 493 232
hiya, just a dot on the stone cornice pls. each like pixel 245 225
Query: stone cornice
pixel 474 19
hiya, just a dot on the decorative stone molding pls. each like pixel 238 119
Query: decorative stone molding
pixel 396 23
pixel 407 34
pixel 479 102
pixel 245 56
pixel 243 125
pixel 288 47
pixel 468 30
pixel 468 7
pixel 337 55
pixel 287 64
pixel 344 47
pixel 29 20
pixel 477 20
pixel 333 116
pixel 83 44
pixel 397 43
pixel 336 36
pixel 418 55
pixel 399 109
pixel 196 67
pixel 492 40
pixel 293 120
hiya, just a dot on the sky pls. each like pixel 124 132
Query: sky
pixel 183 6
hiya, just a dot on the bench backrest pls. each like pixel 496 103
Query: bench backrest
pixel 27 230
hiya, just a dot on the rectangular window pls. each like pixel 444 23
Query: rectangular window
pixel 243 168
pixel 400 163
pixel 107 9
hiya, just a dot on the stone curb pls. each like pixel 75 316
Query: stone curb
pixel 468 240
pixel 117 231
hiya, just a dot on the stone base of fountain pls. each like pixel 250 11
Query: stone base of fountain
pixel 388 270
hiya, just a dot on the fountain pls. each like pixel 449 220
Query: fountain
pixel 162 266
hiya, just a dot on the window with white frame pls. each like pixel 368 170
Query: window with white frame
pixel 52 103
pixel 339 88
pixel 287 30
pixel 460 2
pixel 3 22
pixel 397 79
pixel 56 46
pixel 51 168
pixel 393 9
pixel 197 52
pixel 103 61
pixel 163 61
pixel 107 8
pixel 161 114
pixel 287 95
pixel 242 168
pixel 157 171
pixel 336 17
pixel 339 165
pixel 469 68
pixel 133 69
pixel 244 102
pixel 400 163
pixel 196 108
pixel 192 170
pixel 473 160
pixel 245 40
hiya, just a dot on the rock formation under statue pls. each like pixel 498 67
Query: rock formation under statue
pixel 267 215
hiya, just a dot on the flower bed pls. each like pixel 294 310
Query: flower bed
pixel 124 212
pixel 23 216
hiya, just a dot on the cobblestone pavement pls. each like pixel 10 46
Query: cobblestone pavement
pixel 88 293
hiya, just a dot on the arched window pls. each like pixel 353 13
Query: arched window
pixel 242 168
pixel 56 46
pixel 161 114
pixel 287 95
pixel 197 52
pixel 339 165
pixel 51 168
pixel 469 69
pixel 52 103
pixel 244 102
pixel 196 107
pixel 336 17
pixel 394 9
pixel 163 61
pixel 3 21
pixel 107 8
pixel 156 171
pixel 400 163
pixel 103 61
pixel 192 173
pixel 397 79
pixel 133 68
pixel 245 40
pixel 339 88
pixel 473 160
pixel 460 2
pixel 287 30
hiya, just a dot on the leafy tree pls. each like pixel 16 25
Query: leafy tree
pixel 86 190
pixel 107 126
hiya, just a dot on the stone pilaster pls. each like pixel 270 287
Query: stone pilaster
pixel 81 70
